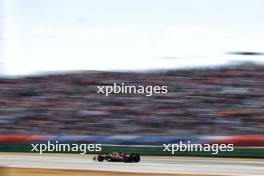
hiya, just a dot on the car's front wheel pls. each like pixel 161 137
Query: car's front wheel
pixel 100 158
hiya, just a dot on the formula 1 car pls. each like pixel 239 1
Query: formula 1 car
pixel 118 157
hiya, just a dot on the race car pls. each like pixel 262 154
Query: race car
pixel 118 157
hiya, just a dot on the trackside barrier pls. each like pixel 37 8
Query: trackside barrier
pixel 238 141
pixel 245 146
pixel 248 152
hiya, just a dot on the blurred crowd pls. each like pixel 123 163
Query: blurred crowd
pixel 212 101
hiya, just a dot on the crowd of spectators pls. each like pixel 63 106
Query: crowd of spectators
pixel 213 101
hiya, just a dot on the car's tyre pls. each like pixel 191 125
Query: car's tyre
pixel 100 158
pixel 135 157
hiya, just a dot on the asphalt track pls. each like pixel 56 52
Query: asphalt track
pixel 171 165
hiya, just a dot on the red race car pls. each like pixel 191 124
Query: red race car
pixel 118 157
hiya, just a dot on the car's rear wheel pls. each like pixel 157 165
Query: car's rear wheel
pixel 135 157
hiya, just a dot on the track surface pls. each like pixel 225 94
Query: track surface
pixel 219 166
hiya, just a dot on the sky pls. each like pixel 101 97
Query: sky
pixel 62 35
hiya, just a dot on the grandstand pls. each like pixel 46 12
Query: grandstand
pixel 216 101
